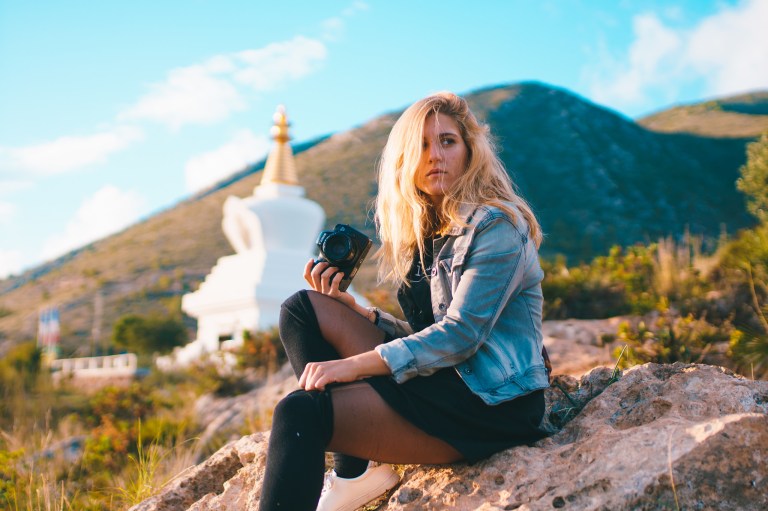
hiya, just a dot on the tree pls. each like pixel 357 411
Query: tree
pixel 149 334
pixel 754 178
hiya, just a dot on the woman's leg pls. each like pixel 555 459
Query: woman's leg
pixel 365 426
pixel 316 328
pixel 301 428
pixel 350 418
pixel 359 423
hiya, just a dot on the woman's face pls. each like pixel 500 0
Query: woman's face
pixel 443 159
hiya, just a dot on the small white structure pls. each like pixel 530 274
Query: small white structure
pixel 273 233
pixel 109 367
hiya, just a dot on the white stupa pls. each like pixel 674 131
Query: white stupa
pixel 273 233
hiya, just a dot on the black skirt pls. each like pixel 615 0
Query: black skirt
pixel 443 406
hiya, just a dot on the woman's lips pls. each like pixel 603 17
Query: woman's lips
pixel 435 172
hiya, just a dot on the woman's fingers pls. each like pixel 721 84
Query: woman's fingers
pixel 326 279
pixel 308 272
pixel 317 375
pixel 315 274
pixel 333 281
pixel 328 275
pixel 313 377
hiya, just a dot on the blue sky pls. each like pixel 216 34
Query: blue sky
pixel 110 111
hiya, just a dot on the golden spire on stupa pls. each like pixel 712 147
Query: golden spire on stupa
pixel 280 167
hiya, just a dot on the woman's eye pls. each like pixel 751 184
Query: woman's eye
pixel 447 141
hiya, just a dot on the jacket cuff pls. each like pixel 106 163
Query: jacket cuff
pixel 393 326
pixel 399 359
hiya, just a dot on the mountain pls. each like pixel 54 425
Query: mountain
pixel 594 178
pixel 745 115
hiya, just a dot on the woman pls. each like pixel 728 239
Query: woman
pixel 463 377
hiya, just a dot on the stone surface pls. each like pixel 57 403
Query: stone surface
pixel 253 408
pixel 661 437
pixel 576 345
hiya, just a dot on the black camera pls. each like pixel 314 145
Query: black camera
pixel 345 248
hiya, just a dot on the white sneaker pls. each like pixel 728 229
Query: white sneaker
pixel 341 494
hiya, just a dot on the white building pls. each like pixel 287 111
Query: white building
pixel 273 233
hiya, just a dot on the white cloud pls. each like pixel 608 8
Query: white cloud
pixel 731 49
pixel 728 51
pixel 206 169
pixel 10 186
pixel 355 7
pixel 211 91
pixel 268 67
pixel 7 212
pixel 105 212
pixel 189 95
pixel 70 152
pixel 333 28
pixel 10 262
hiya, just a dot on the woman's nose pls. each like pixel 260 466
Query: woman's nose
pixel 435 153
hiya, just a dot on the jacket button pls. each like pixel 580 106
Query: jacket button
pixel 467 370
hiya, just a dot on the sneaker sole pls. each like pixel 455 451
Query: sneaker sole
pixel 384 487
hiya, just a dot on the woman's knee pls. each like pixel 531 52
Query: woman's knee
pixel 297 309
pixel 296 303
pixel 305 411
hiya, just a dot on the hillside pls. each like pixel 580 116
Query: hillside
pixel 594 178
pixel 745 115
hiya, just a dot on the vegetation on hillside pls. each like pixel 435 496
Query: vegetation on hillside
pixel 149 334
pixel 64 449
pixel 692 307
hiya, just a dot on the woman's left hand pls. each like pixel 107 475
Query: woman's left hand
pixel 317 375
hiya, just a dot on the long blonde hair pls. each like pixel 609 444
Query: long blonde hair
pixel 405 216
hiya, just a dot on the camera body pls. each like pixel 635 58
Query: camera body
pixel 345 248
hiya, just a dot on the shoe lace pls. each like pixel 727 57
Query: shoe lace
pixel 328 481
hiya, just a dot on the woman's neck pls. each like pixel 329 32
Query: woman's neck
pixel 437 224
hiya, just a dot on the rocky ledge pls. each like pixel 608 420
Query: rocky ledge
pixel 681 436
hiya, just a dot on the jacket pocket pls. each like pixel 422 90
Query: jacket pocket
pixel 450 270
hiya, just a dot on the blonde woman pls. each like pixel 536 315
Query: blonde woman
pixel 463 377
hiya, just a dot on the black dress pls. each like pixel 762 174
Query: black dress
pixel 442 405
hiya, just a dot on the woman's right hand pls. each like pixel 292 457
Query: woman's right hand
pixel 321 278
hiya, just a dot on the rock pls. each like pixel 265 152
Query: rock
pixel 680 436
pixel 220 415
pixel 577 345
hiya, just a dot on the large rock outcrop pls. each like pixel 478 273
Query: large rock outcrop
pixel 681 436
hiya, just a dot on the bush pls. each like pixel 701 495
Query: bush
pixel 262 350
pixel 671 338
pixel 612 285
pixel 149 334
pixel 749 351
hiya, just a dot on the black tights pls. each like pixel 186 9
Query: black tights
pixel 351 420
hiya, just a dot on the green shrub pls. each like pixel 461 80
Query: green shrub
pixel 612 285
pixel 749 351
pixel 671 338
pixel 262 350
pixel 149 334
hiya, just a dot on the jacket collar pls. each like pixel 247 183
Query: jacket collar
pixel 466 212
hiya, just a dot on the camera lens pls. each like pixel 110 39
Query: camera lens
pixel 338 248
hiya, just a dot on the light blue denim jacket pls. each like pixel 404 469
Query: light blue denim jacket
pixel 487 303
